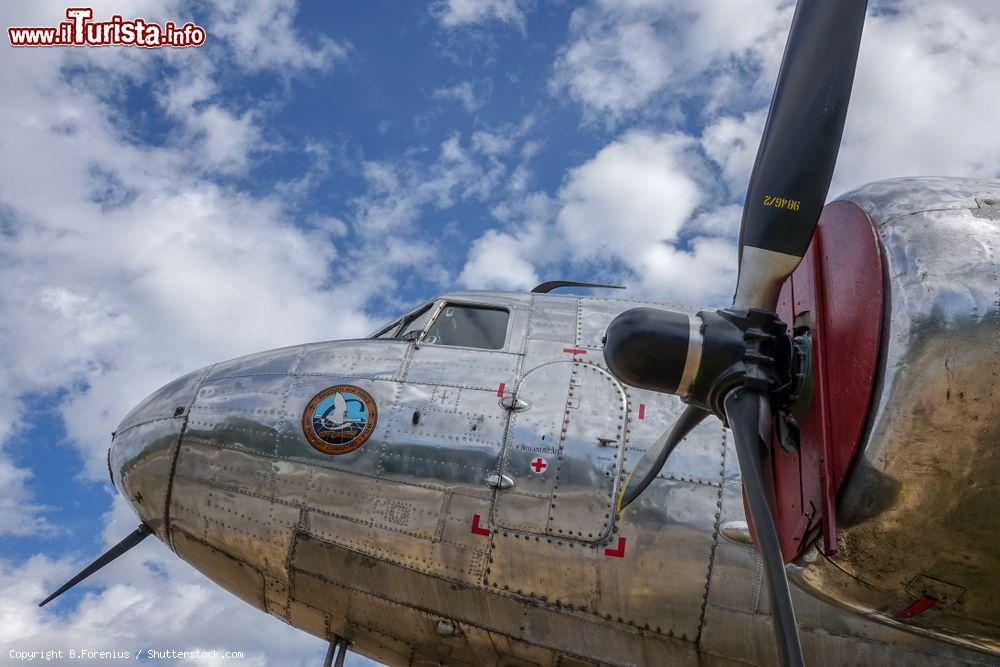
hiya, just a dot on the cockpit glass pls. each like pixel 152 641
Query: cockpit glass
pixel 414 320
pixel 469 326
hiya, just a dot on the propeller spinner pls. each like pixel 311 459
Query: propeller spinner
pixel 738 363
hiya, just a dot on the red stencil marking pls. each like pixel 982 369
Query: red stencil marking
pixel 917 608
pixel 642 411
pixel 574 350
pixel 617 552
pixel 476 529
pixel 503 385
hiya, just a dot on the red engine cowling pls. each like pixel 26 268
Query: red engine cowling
pixel 837 292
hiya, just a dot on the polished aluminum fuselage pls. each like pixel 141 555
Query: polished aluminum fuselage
pixel 443 540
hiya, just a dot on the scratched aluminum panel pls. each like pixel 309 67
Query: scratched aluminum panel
pixel 553 318
pixel 256 531
pixel 292 445
pixel 404 584
pixel 587 466
pixel 514 653
pixel 142 457
pixel 888 200
pixel 381 647
pixel 309 619
pixel 418 629
pixel 698 457
pixel 462 367
pixel 318 592
pixel 276 595
pixel 560 572
pixel 239 578
pixel 165 401
pixel 454 561
pixel 540 352
pixel 664 544
pixel 446 437
pixel 279 361
pixel 248 412
pixel 380 359
pixel 406 508
pixel 221 467
pixel 334 492
pixel 534 433
pixel 459 525
pixel 587 637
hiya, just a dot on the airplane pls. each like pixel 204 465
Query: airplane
pixel 808 476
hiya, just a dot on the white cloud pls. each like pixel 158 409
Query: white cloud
pixel 262 36
pixel 465 93
pixel 622 56
pixel 638 211
pixel 926 94
pixel 455 13
pixel 513 259
pixel 635 192
pixel 124 263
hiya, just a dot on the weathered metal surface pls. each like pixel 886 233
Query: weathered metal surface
pixel 922 496
pixel 383 544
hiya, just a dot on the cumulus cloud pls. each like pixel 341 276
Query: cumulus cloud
pixel 456 13
pixel 639 211
pixel 125 261
pixel 623 56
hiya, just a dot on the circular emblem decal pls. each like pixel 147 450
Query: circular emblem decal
pixel 339 419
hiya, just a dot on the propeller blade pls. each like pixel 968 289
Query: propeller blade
pixel 798 151
pixel 138 535
pixel 656 456
pixel 746 409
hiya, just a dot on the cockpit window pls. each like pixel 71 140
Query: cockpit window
pixel 415 320
pixel 469 326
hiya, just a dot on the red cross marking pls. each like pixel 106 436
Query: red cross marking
pixel 617 552
pixel 539 464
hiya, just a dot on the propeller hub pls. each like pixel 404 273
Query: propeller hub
pixel 701 357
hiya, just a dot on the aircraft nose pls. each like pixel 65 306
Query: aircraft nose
pixel 144 447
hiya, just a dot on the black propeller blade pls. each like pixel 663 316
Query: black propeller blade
pixel 738 363
pixel 743 409
pixel 656 456
pixel 138 535
pixel 798 151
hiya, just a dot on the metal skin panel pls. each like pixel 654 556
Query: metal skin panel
pixel 919 500
pixel 233 574
pixel 141 459
pixel 380 544
pixel 589 459
pixel 534 433
pixel 165 401
pixel 553 318
pixel 443 436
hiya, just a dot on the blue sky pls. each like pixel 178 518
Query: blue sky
pixel 316 169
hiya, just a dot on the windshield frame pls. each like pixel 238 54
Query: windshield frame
pixel 402 322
